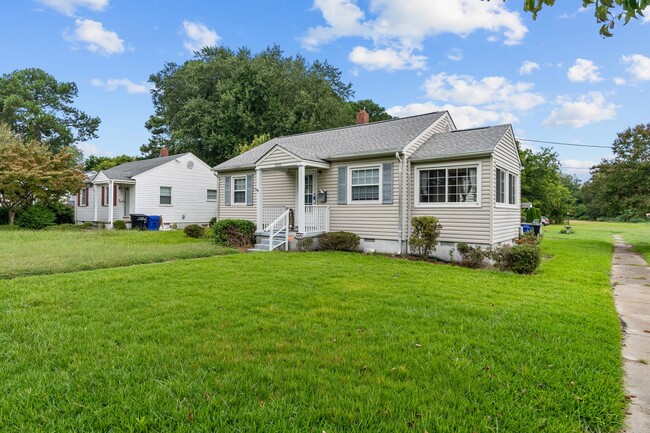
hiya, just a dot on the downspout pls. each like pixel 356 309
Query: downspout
pixel 408 204
pixel 218 215
pixel 400 219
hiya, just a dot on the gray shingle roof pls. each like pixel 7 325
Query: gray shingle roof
pixel 129 169
pixel 377 137
pixel 461 142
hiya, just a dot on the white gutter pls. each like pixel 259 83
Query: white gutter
pixel 400 219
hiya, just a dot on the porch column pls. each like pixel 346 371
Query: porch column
pixel 94 202
pixel 111 186
pixel 300 212
pixel 258 203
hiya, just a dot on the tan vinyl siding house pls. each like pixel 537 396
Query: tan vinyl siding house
pixel 367 179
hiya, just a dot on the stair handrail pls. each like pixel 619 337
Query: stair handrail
pixel 271 229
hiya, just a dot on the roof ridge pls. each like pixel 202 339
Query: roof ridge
pixel 359 125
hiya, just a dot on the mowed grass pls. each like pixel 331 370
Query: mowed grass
pixel 316 342
pixel 24 252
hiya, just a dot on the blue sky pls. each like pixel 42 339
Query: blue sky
pixel 488 63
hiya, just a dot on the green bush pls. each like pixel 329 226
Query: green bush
pixel 212 222
pixel 426 230
pixel 36 218
pixel 533 213
pixel 520 259
pixel 339 241
pixel 471 257
pixel 119 225
pixel 194 231
pixel 528 239
pixel 305 244
pixel 234 233
pixel 63 214
pixel 568 231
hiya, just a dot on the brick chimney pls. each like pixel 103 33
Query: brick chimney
pixel 363 117
pixel 164 152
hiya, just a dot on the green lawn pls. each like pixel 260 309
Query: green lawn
pixel 316 342
pixel 46 252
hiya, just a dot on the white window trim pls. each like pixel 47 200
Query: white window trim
pixel 232 191
pixel 216 193
pixel 465 164
pixel 171 196
pixel 349 186
pixel 505 204
pixel 82 199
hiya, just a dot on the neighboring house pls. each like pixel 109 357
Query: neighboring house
pixel 372 178
pixel 182 189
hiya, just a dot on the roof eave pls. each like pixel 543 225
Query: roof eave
pixel 449 157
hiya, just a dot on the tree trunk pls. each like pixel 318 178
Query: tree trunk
pixel 11 214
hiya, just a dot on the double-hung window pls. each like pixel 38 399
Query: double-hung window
pixel 165 195
pixel 83 197
pixel 512 189
pixel 506 187
pixel 239 190
pixel 105 196
pixel 501 186
pixel 364 185
pixel 212 195
pixel 448 185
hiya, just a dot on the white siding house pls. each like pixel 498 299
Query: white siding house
pixel 372 178
pixel 181 189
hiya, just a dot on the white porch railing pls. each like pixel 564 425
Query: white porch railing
pixel 317 218
pixel 279 228
pixel 270 214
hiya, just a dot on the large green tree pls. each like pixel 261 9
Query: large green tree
pixel 606 12
pixel 544 185
pixel 620 186
pixel 222 98
pixel 376 111
pixel 99 163
pixel 30 172
pixel 40 108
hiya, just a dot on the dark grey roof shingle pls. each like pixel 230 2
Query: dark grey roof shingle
pixel 461 142
pixel 129 169
pixel 386 136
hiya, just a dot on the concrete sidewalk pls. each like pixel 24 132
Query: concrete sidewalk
pixel 631 280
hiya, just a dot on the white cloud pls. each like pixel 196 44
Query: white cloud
pixel 455 54
pixel 528 67
pixel 198 36
pixel 114 83
pixel 639 66
pixel 96 38
pixel 69 7
pixel 619 81
pixel 493 92
pixel 577 166
pixel 646 19
pixel 388 59
pixel 92 149
pixel 587 109
pixel 584 70
pixel 402 26
pixel 464 116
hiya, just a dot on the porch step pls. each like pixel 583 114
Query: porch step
pixel 263 246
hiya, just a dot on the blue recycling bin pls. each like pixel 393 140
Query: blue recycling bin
pixel 526 228
pixel 153 222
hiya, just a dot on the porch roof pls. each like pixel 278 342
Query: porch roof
pixel 356 140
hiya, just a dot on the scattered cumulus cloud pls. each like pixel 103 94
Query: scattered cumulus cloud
pixel 69 7
pixel 584 71
pixel 495 93
pixel 638 66
pixel 585 110
pixel 395 26
pixel 96 38
pixel 198 35
pixel 619 81
pixel 464 116
pixel 645 19
pixel 113 84
pixel 388 59
pixel 528 67
pixel 577 167
pixel 455 54
pixel 92 149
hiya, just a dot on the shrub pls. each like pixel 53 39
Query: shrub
pixel 234 233
pixel 194 231
pixel 528 239
pixel 568 231
pixel 426 230
pixel 533 213
pixel 119 225
pixel 521 259
pixel 339 241
pixel 212 222
pixel 63 214
pixel 305 244
pixel 471 257
pixel 36 218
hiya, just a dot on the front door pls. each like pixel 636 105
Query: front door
pixel 127 200
pixel 310 189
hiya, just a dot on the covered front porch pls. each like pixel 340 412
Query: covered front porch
pixel 112 200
